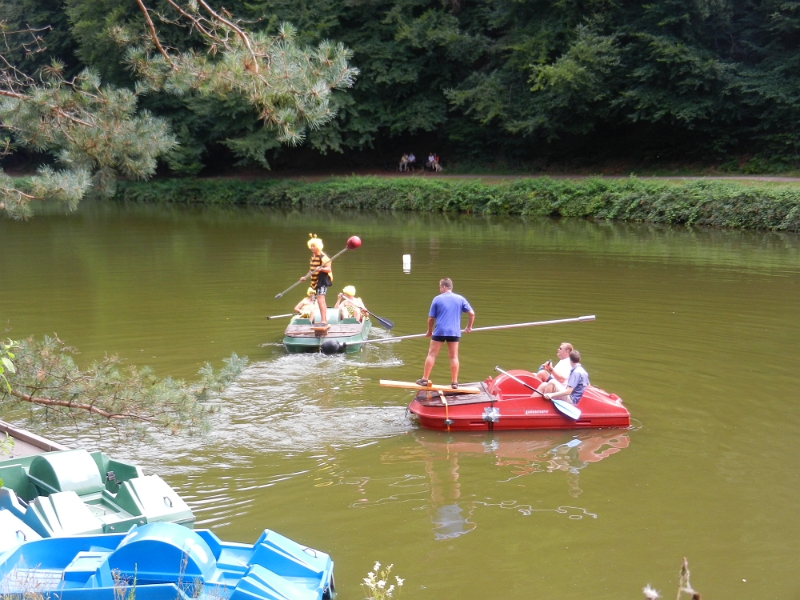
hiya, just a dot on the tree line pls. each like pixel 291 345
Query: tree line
pixel 481 79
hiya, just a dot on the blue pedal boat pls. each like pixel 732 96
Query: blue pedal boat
pixel 74 492
pixel 166 560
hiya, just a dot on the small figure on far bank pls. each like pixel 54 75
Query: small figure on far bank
pixel 349 306
pixel 305 308
pixel 404 163
pixel 412 161
pixel 444 327
pixel 575 386
pixel 321 275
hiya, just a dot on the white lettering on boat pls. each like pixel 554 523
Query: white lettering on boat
pixel 536 412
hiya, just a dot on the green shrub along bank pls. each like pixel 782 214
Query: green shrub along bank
pixel 710 203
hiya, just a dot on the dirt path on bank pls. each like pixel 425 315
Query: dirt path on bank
pixel 323 175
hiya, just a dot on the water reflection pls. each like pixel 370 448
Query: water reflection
pixel 525 453
pixel 455 492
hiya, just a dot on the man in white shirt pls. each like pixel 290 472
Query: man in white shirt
pixel 555 377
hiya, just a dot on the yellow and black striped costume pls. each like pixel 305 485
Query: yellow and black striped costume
pixel 316 262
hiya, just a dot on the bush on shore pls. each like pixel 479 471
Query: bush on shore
pixel 701 202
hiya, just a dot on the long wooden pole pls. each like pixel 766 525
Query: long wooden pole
pixel 489 328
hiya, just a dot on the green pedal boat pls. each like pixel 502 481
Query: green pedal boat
pixel 303 336
pixel 75 492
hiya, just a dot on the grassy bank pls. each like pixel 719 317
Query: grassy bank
pixel 712 203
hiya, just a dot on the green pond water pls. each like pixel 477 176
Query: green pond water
pixel 697 330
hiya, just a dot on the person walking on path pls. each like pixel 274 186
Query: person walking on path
pixel 321 275
pixel 444 326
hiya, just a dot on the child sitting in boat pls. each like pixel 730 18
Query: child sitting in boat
pixel 349 306
pixel 305 308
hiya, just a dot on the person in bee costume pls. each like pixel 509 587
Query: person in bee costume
pixel 321 275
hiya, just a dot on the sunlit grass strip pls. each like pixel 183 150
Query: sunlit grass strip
pixel 714 203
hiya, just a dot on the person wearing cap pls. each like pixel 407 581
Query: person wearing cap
pixel 305 308
pixel 349 306
pixel 320 273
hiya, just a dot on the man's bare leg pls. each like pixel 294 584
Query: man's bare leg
pixel 452 350
pixel 430 360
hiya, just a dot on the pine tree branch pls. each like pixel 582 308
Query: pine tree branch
pixel 154 34
pixel 91 408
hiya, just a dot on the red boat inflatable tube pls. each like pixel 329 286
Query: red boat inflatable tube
pixel 505 404
pixel 353 242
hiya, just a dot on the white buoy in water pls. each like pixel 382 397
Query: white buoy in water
pixel 406 263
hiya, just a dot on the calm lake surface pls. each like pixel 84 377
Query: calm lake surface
pixel 697 330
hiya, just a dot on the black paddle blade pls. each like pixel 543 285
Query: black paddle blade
pixel 332 347
pixel 387 324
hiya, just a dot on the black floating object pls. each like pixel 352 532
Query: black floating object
pixel 332 347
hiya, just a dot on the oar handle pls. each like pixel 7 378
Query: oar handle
pixel 281 316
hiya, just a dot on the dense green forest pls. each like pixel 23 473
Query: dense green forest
pixel 572 82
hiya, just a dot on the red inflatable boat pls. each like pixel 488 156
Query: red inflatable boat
pixel 504 403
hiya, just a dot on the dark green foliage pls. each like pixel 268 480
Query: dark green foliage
pixel 710 203
pixel 573 81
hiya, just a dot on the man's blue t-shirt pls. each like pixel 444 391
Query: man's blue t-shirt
pixel 578 380
pixel 446 309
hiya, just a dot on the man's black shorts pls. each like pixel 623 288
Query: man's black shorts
pixel 446 338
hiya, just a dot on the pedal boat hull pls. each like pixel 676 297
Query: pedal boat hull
pixel 504 404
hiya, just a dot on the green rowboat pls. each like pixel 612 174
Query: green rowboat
pixel 303 336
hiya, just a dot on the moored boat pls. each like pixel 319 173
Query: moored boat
pixel 506 403
pixel 74 492
pixel 304 336
pixel 166 560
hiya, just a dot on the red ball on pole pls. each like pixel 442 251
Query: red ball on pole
pixel 353 243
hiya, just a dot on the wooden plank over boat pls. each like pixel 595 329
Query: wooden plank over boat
pixel 430 388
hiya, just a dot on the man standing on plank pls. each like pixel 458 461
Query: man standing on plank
pixel 444 326
pixel 321 275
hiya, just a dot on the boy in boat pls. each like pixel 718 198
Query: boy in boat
pixel 576 384
pixel 559 374
pixel 349 306
pixel 305 308
pixel 321 275
pixel 444 326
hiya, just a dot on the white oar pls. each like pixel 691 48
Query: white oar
pixel 572 411
pixel 282 316
pixel 332 346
